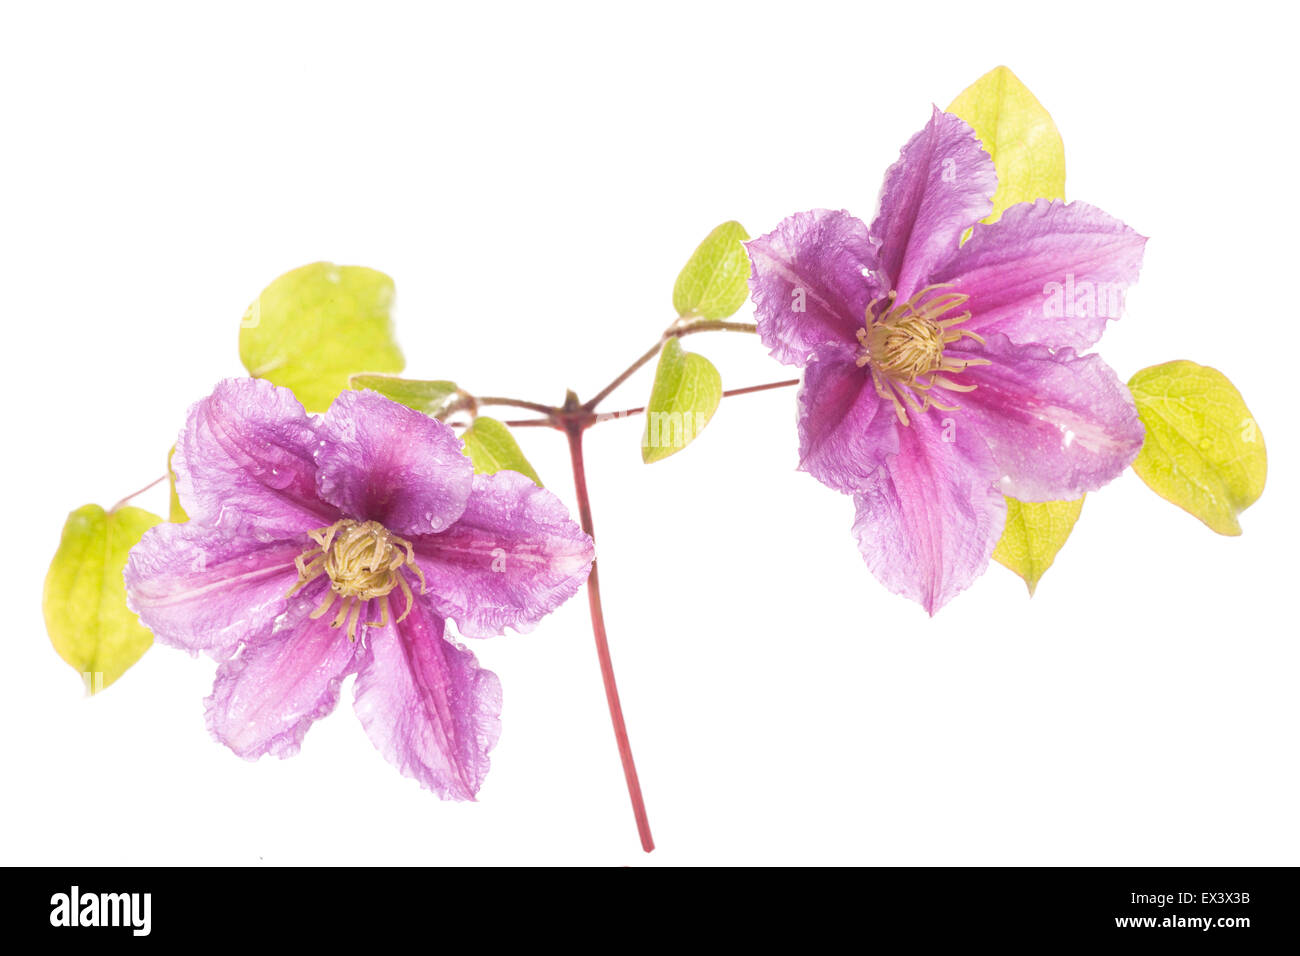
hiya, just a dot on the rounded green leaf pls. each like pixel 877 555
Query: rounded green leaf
pixel 492 448
pixel 686 393
pixel 1034 533
pixel 714 283
pixel 313 328
pixel 1203 449
pixel 85 597
pixel 430 397
pixel 175 513
pixel 1020 136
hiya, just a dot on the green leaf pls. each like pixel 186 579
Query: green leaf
pixel 175 513
pixel 85 597
pixel 314 327
pixel 1020 136
pixel 1203 449
pixel 492 448
pixel 430 397
pixel 1029 156
pixel 686 393
pixel 1034 533
pixel 714 283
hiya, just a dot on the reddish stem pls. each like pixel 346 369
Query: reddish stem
pixel 156 481
pixel 514 403
pixel 574 427
pixel 676 331
pixel 747 390
pixel 574 418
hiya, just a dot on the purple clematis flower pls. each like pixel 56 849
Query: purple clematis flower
pixel 339 544
pixel 941 375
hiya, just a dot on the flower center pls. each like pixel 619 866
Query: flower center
pixel 904 348
pixel 364 561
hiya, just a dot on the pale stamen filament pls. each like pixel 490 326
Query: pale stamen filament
pixel 345 607
pixel 325 605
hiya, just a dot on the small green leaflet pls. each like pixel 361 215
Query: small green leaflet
pixel 492 448
pixel 1034 533
pixel 1203 449
pixel 1020 136
pixel 314 327
pixel 686 393
pixel 714 283
pixel 85 597
pixel 431 397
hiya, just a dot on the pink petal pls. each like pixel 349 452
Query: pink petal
pixel 202 588
pixel 245 462
pixel 514 556
pixel 427 705
pixel 381 461
pixel 941 185
pixel 1046 272
pixel 809 285
pixel 283 680
pixel 928 522
pixel 846 430
pixel 1057 424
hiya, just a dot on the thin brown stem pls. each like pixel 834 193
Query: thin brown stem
pixel 750 389
pixel 530 423
pixel 674 332
pixel 462 401
pixel 574 418
pixel 517 403
pixel 747 390
pixel 574 428
pixel 156 481
pixel 625 375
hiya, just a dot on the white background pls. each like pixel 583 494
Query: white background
pixel 533 179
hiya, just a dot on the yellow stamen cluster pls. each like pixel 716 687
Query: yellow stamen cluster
pixel 904 346
pixel 364 561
